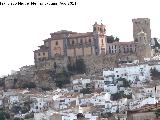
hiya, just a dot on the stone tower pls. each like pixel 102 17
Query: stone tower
pixel 140 24
pixel 143 46
pixel 99 38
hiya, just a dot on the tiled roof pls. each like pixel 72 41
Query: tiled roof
pixel 88 34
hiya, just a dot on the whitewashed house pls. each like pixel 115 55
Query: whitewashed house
pixel 69 116
pixel 100 99
pixel 129 72
pixel 111 88
pixel 114 108
pixel 14 99
pixel 99 84
pixel 40 103
pixel 149 91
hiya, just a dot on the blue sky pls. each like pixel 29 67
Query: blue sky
pixel 23 28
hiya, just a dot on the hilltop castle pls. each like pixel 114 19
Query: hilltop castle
pixel 67 44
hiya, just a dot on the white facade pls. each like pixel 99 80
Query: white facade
pixel 111 88
pixel 39 104
pixel 142 72
pixel 99 84
pixel 14 99
pixel 70 116
pixel 100 99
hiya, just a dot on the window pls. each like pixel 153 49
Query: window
pixel 112 51
pixel 89 40
pixel 56 42
pixel 136 40
pixel 102 41
pixel 116 71
pixel 145 22
pixel 100 29
pixel 140 38
pixel 39 54
pixel 81 41
pixel 44 53
pixel 117 75
pixel 72 42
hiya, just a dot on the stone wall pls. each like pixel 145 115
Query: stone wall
pixel 94 64
pixel 58 62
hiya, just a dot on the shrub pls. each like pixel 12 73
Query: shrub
pixel 29 85
pixel 62 78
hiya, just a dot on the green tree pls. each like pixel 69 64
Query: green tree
pixel 77 67
pixel 116 39
pixel 62 78
pixel 126 83
pixel 2 115
pixel 154 72
pixel 29 85
pixel 86 91
pixel 157 112
pixel 111 39
pixel 80 66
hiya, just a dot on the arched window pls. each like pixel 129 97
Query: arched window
pixel 89 40
pixel 56 42
pixel 100 29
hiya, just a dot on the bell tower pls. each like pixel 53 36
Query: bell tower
pixel 99 35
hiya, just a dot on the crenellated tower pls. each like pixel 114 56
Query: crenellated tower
pixel 141 24
pixel 142 37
